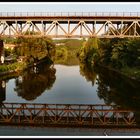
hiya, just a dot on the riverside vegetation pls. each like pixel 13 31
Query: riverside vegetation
pixel 119 54
pixel 30 49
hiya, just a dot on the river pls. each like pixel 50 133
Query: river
pixel 78 84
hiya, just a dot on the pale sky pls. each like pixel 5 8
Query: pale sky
pixel 70 7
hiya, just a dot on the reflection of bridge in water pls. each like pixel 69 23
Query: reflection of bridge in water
pixel 75 25
pixel 65 115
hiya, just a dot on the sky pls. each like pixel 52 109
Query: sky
pixel 70 7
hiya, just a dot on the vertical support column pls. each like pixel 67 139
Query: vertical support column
pixel 68 28
pixel 121 28
pixel 42 31
pixel 135 30
pixel 9 30
pixel 4 28
pixel 117 26
pixel 94 31
pixel 117 29
pixel 93 28
pixel 33 27
pixel 81 24
pixel 17 29
pixel 56 29
pixel 44 28
pixel 20 28
pixel 30 28
pixel 131 30
pixel 107 25
pixel 105 29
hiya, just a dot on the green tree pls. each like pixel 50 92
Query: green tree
pixel 89 51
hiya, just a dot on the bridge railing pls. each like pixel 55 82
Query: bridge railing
pixel 66 114
pixel 57 14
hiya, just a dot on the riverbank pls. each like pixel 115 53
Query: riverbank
pixel 18 67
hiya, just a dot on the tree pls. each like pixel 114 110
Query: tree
pixel 89 51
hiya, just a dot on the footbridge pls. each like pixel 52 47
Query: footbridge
pixel 66 115
pixel 70 24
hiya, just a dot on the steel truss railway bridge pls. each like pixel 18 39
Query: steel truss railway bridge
pixel 70 25
pixel 66 115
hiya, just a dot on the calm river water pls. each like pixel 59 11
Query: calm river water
pixel 80 84
pixel 59 85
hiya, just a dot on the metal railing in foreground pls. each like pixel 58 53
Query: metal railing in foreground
pixel 65 115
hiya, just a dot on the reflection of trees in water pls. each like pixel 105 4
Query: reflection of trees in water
pixel 31 85
pixel 117 89
pixel 88 72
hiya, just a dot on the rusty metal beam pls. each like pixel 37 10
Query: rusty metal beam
pixel 67 114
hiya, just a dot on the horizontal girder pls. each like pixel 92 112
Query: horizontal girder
pixel 70 25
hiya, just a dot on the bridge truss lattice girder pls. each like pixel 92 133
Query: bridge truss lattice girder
pixel 78 28
pixel 46 114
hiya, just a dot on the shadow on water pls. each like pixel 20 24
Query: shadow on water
pixel 117 89
pixel 33 82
